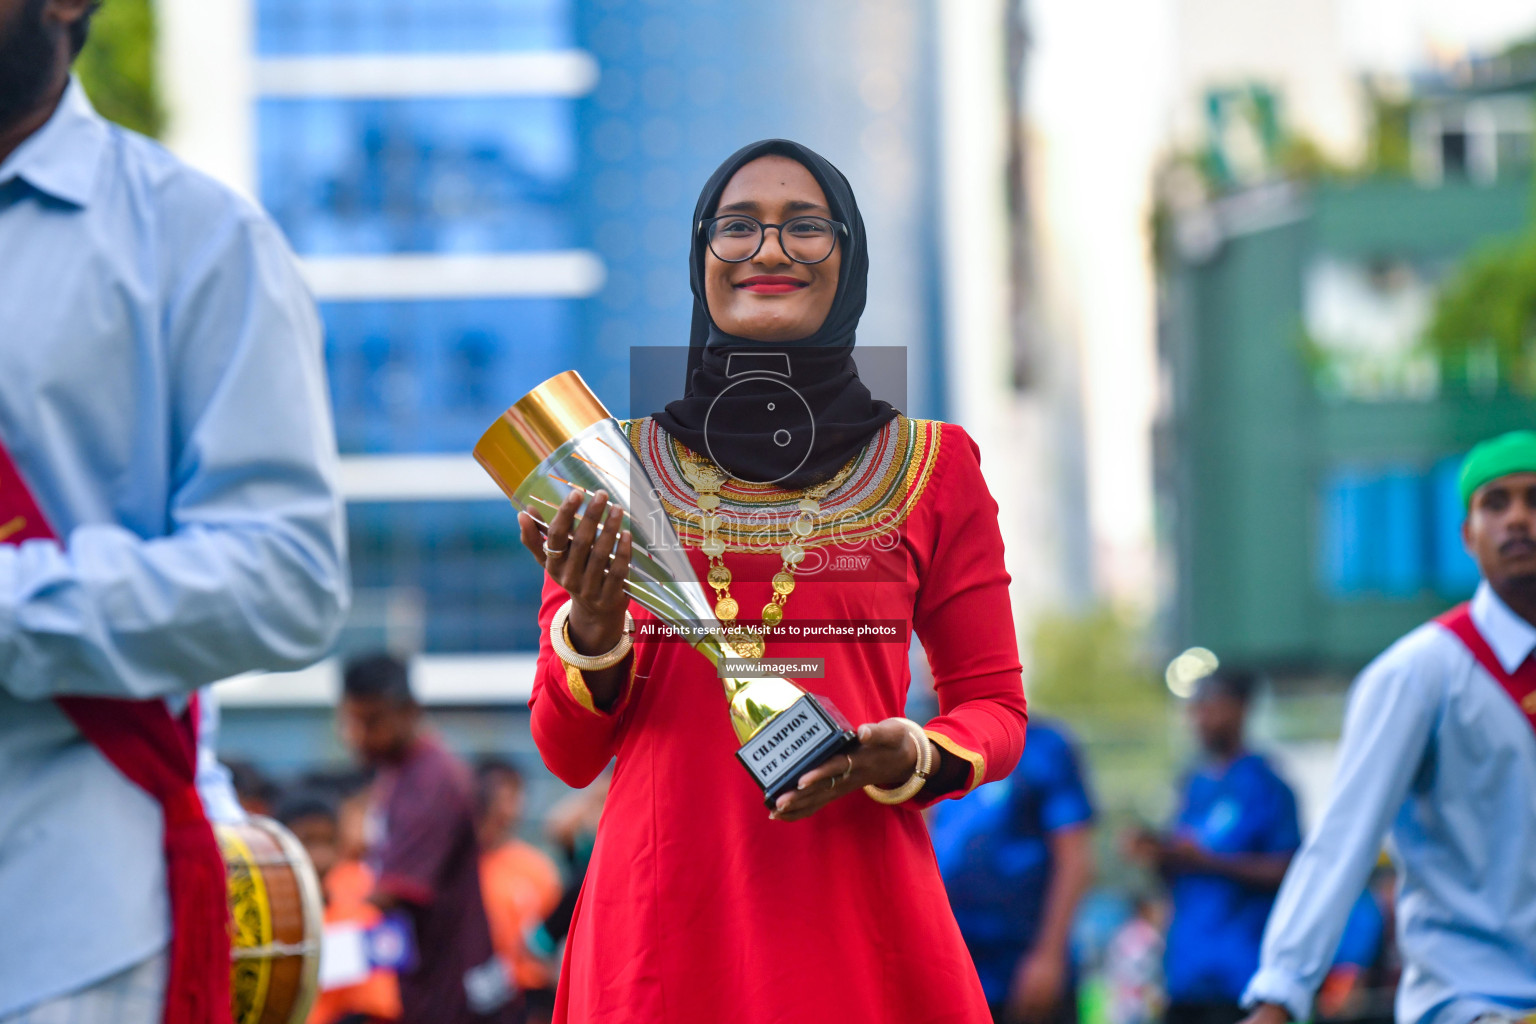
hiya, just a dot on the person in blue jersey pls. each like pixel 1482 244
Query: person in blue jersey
pixel 1223 860
pixel 1017 857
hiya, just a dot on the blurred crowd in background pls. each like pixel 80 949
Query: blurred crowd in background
pixel 526 890
pixel 1178 943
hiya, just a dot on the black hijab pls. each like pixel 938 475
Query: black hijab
pixel 789 413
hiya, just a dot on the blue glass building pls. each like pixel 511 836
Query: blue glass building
pixel 456 135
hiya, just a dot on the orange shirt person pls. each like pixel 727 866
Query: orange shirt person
pixel 376 997
pixel 519 882
pixel 346 882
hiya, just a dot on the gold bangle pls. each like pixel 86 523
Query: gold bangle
pixel 560 640
pixel 907 790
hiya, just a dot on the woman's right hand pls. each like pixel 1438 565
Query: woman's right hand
pixel 591 566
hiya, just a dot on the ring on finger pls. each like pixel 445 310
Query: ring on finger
pixel 847 771
pixel 554 551
pixel 833 782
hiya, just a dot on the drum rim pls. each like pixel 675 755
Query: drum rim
pixel 311 905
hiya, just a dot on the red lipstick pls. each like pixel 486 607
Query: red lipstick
pixel 772 284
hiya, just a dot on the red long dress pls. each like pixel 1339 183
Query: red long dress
pixel 698 909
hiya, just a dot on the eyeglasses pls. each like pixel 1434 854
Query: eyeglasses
pixel 736 238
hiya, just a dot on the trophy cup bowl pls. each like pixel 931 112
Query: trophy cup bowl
pixel 559 438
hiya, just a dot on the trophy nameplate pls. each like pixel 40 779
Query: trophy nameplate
pixel 793 742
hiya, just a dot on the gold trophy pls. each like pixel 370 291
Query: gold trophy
pixel 559 438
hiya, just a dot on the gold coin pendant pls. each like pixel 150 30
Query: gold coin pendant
pixel 719 576
pixel 810 505
pixel 783 583
pixel 726 608
pixel 709 502
pixel 745 644
pixel 801 528
pixel 772 614
pixel 794 554
pixel 714 547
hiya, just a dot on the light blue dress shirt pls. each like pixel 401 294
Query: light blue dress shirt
pixel 162 391
pixel 215 784
pixel 1436 757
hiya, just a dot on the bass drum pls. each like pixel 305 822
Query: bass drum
pixel 276 916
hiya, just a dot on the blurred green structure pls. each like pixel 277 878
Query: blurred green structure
pixel 1331 348
pixel 1092 670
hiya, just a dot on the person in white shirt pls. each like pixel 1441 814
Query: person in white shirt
pixel 169 516
pixel 1439 756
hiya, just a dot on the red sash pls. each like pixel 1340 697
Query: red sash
pixel 1521 686
pixel 157 753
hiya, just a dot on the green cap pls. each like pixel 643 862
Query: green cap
pixel 1514 452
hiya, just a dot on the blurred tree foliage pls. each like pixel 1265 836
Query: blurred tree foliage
pixel 1484 323
pixel 1093 663
pixel 1520 50
pixel 1389 152
pixel 1301 158
pixel 117 66
pixel 1093 671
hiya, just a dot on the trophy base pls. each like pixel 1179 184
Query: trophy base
pixel 793 742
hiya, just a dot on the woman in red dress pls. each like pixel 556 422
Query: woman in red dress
pixel 701 906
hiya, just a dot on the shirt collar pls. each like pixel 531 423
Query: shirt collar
pixel 1510 636
pixel 61 157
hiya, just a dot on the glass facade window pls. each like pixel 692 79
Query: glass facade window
pixel 430 376
pixel 459 563
pixel 353 177
pixel 1394 532
pixel 450 175
pixel 309 27
pixel 614 172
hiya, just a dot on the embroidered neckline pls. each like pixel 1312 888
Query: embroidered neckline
pixel 882 487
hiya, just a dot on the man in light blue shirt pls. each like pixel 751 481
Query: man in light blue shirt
pixel 162 394
pixel 1437 757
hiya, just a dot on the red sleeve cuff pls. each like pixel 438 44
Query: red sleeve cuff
pixel 950 746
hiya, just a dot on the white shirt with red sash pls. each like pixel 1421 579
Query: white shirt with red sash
pixel 162 396
pixel 1438 758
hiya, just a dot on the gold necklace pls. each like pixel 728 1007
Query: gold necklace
pixel 706 478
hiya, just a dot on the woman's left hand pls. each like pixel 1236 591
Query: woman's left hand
pixel 886 756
